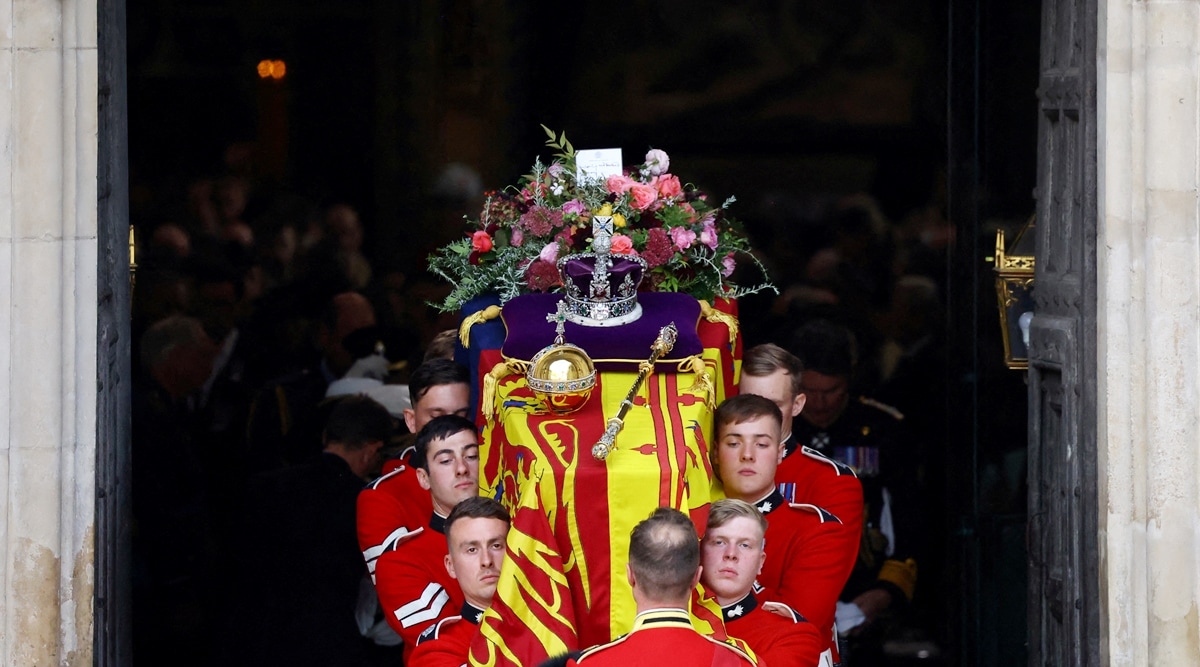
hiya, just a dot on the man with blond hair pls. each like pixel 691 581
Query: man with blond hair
pixel 811 559
pixel 732 554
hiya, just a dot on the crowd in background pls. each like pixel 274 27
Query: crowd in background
pixel 249 304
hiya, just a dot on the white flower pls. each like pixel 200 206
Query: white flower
pixel 657 162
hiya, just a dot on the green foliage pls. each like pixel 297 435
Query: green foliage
pixel 545 216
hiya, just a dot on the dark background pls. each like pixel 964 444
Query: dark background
pixel 926 105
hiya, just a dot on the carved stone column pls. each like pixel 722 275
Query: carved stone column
pixel 48 101
pixel 1149 330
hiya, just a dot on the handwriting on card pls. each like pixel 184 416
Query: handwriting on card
pixel 597 164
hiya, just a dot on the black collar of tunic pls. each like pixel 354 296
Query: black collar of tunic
pixel 732 612
pixel 772 502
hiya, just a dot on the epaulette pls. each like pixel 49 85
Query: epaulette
pixel 379 480
pixel 896 414
pixel 389 543
pixel 434 630
pixel 393 540
pixel 781 609
pixel 740 649
pixel 600 647
pixel 838 466
pixel 787 494
pixel 823 514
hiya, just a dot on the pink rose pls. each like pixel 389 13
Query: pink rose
pixel 574 207
pixel 622 245
pixel 517 238
pixel 481 241
pixel 708 235
pixel 683 237
pixel 729 265
pixel 619 184
pixel 668 186
pixel 549 253
pixel 657 161
pixel 643 196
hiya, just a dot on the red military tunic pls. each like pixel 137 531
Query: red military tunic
pixel 664 637
pixel 415 591
pixel 808 477
pixel 777 634
pixel 807 565
pixel 447 643
pixel 819 480
pixel 389 509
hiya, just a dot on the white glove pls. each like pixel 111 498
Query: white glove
pixel 847 617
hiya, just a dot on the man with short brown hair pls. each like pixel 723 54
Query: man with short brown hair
pixel 812 553
pixel 475 532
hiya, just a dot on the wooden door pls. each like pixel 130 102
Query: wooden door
pixel 1063 541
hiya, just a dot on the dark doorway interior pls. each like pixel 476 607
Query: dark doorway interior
pixel 922 111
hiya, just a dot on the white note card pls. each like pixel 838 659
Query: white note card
pixel 598 164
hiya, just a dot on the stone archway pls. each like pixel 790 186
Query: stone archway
pixel 48 331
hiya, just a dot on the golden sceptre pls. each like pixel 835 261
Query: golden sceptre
pixel 662 345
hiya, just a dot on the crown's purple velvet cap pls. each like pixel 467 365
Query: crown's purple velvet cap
pixel 579 272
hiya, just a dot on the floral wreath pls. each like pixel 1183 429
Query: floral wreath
pixel 688 245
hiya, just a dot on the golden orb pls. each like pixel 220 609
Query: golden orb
pixel 562 376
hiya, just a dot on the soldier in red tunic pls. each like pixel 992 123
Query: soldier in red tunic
pixel 809 561
pixel 393 506
pixel 475 532
pixel 414 588
pixel 807 476
pixel 732 555
pixel 663 568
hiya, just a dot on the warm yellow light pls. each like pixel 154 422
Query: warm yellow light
pixel 272 69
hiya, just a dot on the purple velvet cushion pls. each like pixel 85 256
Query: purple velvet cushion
pixel 611 348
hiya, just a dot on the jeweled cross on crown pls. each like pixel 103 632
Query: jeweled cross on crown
pixel 560 318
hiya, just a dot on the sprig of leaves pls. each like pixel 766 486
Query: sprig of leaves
pixel 560 143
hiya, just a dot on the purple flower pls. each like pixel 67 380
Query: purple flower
pixel 729 265
pixel 549 253
pixel 708 235
pixel 516 238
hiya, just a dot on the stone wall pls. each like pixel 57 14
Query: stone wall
pixel 1149 337
pixel 48 115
